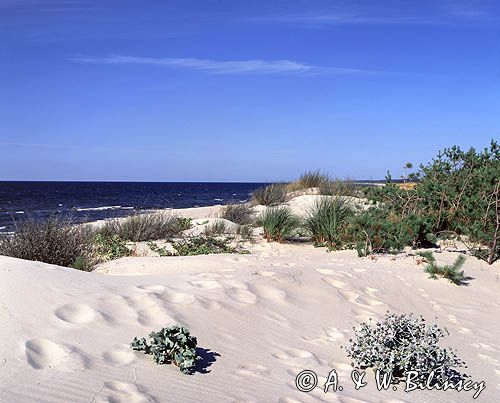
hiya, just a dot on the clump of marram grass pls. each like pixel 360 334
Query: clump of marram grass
pixel 403 343
pixel 145 227
pixel 271 195
pixel 312 179
pixel 279 223
pixel 218 227
pixel 451 272
pixel 237 213
pixel 338 187
pixel 245 232
pixel 327 221
pixel 55 241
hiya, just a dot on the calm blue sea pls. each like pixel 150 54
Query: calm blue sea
pixel 89 201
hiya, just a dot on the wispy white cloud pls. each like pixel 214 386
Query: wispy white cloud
pixel 225 67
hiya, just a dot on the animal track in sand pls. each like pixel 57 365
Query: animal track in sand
pixel 120 356
pixel 75 313
pixel 255 370
pixel 209 304
pixel 277 318
pixel 295 353
pixel 325 271
pixel 242 296
pixel 121 392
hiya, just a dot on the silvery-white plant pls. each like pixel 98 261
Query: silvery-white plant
pixel 403 343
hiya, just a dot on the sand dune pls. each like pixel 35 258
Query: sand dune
pixel 260 319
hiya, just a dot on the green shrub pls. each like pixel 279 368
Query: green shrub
pixel 403 343
pixel 278 223
pixel 55 241
pixel 271 195
pixel 378 230
pixel 162 251
pixel 170 345
pixel 237 213
pixel 327 221
pixel 145 227
pixel 203 245
pixel 451 272
pixel 109 247
pixel 458 191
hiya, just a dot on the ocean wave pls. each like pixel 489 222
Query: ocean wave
pixel 218 199
pixel 128 208
pixel 98 208
pixel 20 212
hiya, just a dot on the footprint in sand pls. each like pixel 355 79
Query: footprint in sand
pixel 242 296
pixel 491 360
pixel 334 283
pixel 43 353
pixel 295 354
pixel 270 293
pixel 180 298
pixel 325 271
pixel 156 288
pixel 149 311
pixel 121 392
pixel 277 318
pixel 75 313
pixel 120 356
pixel 206 284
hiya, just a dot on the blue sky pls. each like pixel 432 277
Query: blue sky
pixel 242 90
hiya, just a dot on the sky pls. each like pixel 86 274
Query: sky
pixel 233 90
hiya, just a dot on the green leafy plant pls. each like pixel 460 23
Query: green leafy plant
pixel 278 223
pixel 451 272
pixel 237 213
pixel 245 231
pixel 162 251
pixel 403 343
pixel 327 221
pixel 170 345
pixel 109 247
pixel 271 195
pixel 203 245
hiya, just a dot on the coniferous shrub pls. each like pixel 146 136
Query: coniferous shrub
pixel 327 221
pixel 403 343
pixel 170 345
pixel 451 272
pixel 278 223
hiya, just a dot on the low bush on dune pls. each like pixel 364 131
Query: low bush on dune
pixel 271 195
pixel 279 223
pixel 145 227
pixel 109 247
pixel 337 187
pixel 204 245
pixel 238 213
pixel 458 192
pixel 403 343
pixel 327 221
pixel 170 345
pixel 55 241
pixel 245 231
pixel 451 272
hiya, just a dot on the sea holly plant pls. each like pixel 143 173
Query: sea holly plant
pixel 403 343
pixel 170 345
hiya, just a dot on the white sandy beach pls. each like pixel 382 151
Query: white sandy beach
pixel 259 318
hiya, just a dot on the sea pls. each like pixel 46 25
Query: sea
pixel 91 201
